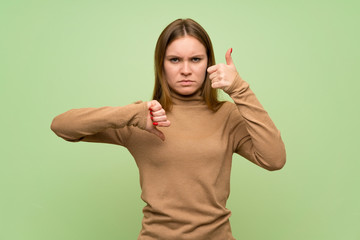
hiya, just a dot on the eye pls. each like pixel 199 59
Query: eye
pixel 196 59
pixel 174 60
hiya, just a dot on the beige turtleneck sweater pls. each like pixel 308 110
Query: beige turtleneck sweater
pixel 185 180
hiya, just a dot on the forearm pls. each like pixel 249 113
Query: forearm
pixel 265 146
pixel 78 123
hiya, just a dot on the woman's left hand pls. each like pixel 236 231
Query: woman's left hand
pixel 223 75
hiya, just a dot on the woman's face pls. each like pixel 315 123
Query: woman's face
pixel 185 65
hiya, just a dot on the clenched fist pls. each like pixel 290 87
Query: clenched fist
pixel 156 118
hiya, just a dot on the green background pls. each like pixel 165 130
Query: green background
pixel 301 58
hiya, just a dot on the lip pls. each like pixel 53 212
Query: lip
pixel 186 80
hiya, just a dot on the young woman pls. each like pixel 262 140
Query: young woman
pixel 183 140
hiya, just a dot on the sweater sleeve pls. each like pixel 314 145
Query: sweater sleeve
pixel 104 124
pixel 261 143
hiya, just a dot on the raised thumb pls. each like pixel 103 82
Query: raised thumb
pixel 228 57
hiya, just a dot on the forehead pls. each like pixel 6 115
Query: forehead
pixel 186 45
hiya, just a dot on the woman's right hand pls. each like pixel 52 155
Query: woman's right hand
pixel 156 118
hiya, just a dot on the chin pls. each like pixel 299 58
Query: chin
pixel 187 92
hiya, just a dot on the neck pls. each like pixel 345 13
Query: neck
pixel 193 99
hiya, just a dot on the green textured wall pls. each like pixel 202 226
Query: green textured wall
pixel 301 59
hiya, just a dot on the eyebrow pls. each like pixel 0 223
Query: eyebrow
pixel 175 56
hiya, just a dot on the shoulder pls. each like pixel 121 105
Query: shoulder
pixel 226 106
pixel 230 110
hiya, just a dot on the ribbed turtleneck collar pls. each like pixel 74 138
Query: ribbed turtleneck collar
pixel 195 99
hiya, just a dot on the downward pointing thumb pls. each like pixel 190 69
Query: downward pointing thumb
pixel 228 57
pixel 158 133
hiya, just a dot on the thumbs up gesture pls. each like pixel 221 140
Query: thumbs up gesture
pixel 223 75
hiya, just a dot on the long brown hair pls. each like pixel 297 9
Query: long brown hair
pixel 177 29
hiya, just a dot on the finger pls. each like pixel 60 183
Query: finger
pixel 217 76
pixel 156 106
pixel 158 133
pixel 162 118
pixel 159 113
pixel 216 84
pixel 153 104
pixel 149 104
pixel 228 57
pixel 163 123
pixel 215 80
pixel 212 69
pixel 213 75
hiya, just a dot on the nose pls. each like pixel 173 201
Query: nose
pixel 186 70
